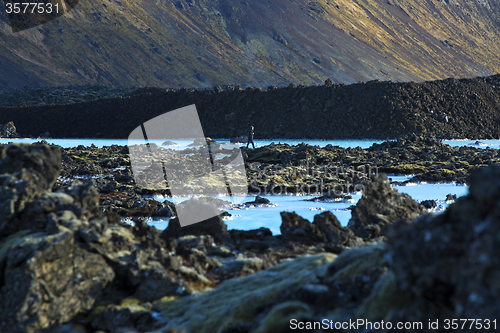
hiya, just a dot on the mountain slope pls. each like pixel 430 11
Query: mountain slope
pixel 213 42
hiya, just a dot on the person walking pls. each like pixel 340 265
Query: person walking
pixel 250 138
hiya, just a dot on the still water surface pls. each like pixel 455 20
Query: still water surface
pixel 256 217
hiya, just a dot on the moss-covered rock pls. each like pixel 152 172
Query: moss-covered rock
pixel 236 301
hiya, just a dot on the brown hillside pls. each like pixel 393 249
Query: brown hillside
pixel 188 43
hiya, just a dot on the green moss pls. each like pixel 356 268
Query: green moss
pixel 235 300
pixel 408 168
pixel 355 261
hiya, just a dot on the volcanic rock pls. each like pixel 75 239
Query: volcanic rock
pixel 214 227
pixel 296 228
pixel 380 206
pixel 333 233
pixel 449 262
pixel 429 204
pixel 8 130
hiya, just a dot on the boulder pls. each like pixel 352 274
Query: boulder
pixel 184 244
pixel 326 228
pixel 155 282
pixel 333 233
pixel 449 263
pixel 238 267
pixel 214 227
pixel 255 234
pixel 380 206
pixel 257 240
pixel 450 198
pixel 26 171
pixel 429 204
pixel 258 201
pixel 297 229
pixel 261 200
pixel 43 162
pixel 8 130
pixel 60 256
pixel 47 280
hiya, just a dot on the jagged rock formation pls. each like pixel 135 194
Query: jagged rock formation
pixel 325 228
pixel 47 274
pixel 380 206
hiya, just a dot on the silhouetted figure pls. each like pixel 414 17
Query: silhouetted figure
pixel 250 138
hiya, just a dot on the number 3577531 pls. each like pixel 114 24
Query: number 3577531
pixel 31 8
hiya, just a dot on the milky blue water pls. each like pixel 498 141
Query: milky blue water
pixel 269 217
pixel 67 143
pixel 256 217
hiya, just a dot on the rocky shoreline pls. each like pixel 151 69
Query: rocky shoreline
pixel 307 169
pixel 451 108
pixel 69 264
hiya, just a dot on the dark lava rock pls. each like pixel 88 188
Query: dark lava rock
pixel 214 227
pixel 333 233
pixel 8 130
pixel 385 109
pixel 429 204
pixel 451 197
pixel 47 280
pixel 256 234
pixel 257 240
pixel 325 228
pixel 61 257
pixel 41 160
pixel 296 228
pixel 380 206
pixel 261 200
pixel 26 171
pixel 450 262
pixel 126 316
pixel 239 267
pixel 258 201
pixel 46 277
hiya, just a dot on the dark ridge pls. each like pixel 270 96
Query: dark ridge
pixel 451 108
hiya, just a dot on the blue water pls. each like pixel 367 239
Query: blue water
pixel 256 217
pixel 68 143
pixel 269 217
